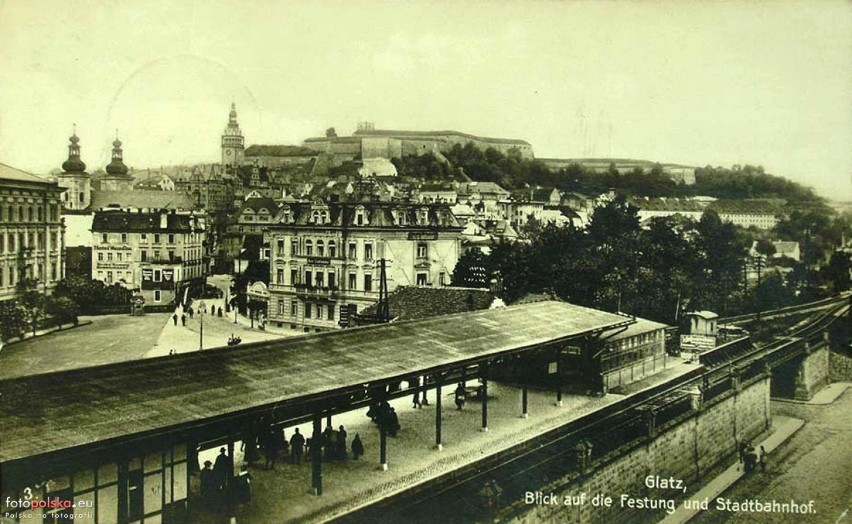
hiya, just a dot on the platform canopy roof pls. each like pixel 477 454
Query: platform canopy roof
pixel 75 409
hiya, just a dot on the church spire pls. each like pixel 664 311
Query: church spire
pixel 74 164
pixel 117 167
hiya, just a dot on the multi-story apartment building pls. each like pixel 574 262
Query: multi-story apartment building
pixel 326 257
pixel 157 253
pixel 31 231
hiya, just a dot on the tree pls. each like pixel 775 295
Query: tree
pixel 63 309
pixel 32 301
pixel 13 319
pixel 765 247
pixel 471 270
pixel 837 271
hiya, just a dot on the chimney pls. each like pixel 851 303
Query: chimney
pixel 164 220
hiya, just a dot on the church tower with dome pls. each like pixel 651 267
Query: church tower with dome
pixel 117 177
pixel 74 179
pixel 233 143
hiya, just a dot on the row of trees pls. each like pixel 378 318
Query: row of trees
pixel 73 296
pixel 675 264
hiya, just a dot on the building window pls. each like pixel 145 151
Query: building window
pixel 157 295
pixel 279 274
pixel 104 238
pixel 421 250
pixel 368 282
pixel 294 308
pixel 124 238
pixel 352 279
pixel 171 256
pixel 281 306
pixel 368 251
pixel 158 275
pixel 280 245
pixel 100 257
pixel 109 257
pixel 171 238
pixel 421 279
pixel 118 256
pixel 331 281
pixel 308 275
pixel 109 277
pixel 156 238
pixel 331 312
pixel 40 214
pixel 353 250
pixel 442 278
pixel 307 310
pixel 320 279
pixel 294 276
pixel 319 312
pixel 320 248
pixel 294 247
pixel 309 248
pixel 144 255
pixel 359 218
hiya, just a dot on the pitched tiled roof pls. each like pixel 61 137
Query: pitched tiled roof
pixel 412 302
pixel 142 199
pixel 11 173
pixel 130 221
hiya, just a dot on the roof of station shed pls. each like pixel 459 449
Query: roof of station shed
pixel 73 409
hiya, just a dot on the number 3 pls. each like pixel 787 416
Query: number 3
pixel 28 493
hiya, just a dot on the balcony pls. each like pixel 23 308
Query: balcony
pixel 311 291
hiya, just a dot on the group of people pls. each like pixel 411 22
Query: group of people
pixel 188 310
pixel 751 459
pixel 219 480
pixel 384 415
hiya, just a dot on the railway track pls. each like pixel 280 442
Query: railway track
pixel 789 310
pixel 550 456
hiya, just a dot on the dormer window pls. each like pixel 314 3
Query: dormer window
pixel 423 216
pixel 401 218
pixel 360 218
pixel 315 217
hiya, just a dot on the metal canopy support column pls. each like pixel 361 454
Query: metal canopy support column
pixel 524 398
pixel 383 447
pixel 559 395
pixel 425 400
pixel 438 441
pixel 484 396
pixel 316 455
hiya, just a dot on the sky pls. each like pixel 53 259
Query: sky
pixel 699 83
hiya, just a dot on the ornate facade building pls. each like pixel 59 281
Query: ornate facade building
pixel 31 231
pixel 233 143
pixel 157 253
pixel 326 259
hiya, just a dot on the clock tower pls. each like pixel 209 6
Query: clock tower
pixel 233 143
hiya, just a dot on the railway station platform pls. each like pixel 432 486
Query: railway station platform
pixel 284 494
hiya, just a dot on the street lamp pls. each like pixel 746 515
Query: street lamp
pixel 201 331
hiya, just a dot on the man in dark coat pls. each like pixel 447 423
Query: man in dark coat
pixel 297 445
pixel 209 486
pixel 341 443
pixel 357 447
pixel 174 317
pixel 223 469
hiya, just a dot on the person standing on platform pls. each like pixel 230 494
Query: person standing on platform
pixel 340 449
pixel 460 396
pixel 297 445
pixel 209 486
pixel 182 320
pixel 223 469
pixel 174 317
pixel 357 447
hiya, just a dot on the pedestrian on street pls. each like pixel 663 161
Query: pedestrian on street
pixel 220 311
pixel 190 311
pixel 182 320
pixel 416 400
pixel 175 318
pixel 357 447
pixel 762 459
